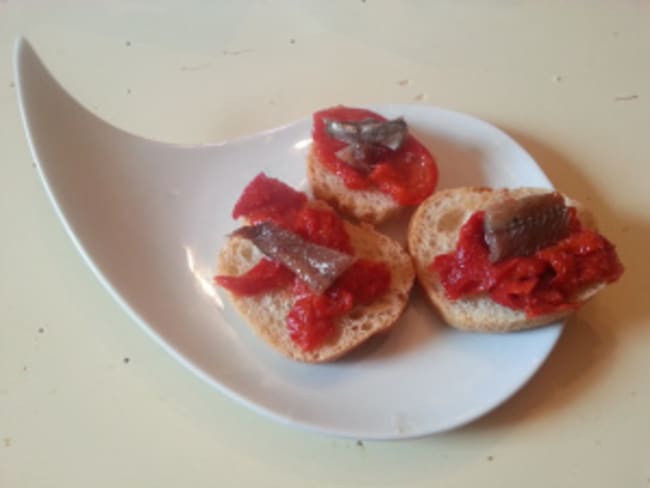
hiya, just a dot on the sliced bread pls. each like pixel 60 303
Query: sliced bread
pixel 266 313
pixel 371 205
pixel 434 229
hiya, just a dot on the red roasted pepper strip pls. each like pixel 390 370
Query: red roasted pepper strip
pixel 312 319
pixel 542 283
pixel 265 276
pixel 408 175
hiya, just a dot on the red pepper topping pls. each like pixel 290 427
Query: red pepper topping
pixel 312 319
pixel 265 276
pixel 321 227
pixel 366 280
pixel 267 198
pixel 541 283
pixel 408 174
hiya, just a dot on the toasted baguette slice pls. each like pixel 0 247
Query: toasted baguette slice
pixel 266 313
pixel 434 229
pixel 372 206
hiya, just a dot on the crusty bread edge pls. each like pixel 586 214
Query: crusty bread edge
pixel 325 354
pixel 428 282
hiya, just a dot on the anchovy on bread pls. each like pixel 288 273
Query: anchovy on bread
pixel 434 230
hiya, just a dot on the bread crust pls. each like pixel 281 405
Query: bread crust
pixel 434 229
pixel 266 313
pixel 370 205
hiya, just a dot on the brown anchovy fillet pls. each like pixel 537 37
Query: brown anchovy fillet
pixel 360 156
pixel 390 133
pixel 316 265
pixel 522 227
pixel 364 137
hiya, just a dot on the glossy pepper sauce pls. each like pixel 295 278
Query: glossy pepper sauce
pixel 312 319
pixel 408 175
pixel 542 283
pixel 265 276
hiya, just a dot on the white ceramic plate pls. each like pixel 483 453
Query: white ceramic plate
pixel 149 217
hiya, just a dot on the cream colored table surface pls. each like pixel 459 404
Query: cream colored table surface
pixel 87 399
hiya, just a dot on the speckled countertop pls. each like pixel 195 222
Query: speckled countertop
pixel 87 399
